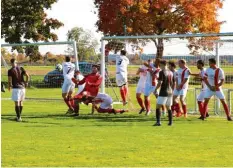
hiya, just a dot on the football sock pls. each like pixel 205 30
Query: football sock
pixel 67 101
pixel 205 109
pixel 184 108
pixel 158 114
pixel 140 102
pixel 21 109
pixel 126 91
pixel 177 108
pixel 122 91
pixel 170 116
pixel 226 109
pixel 201 107
pixel 17 110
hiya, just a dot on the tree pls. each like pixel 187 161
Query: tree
pixel 24 20
pixel 86 43
pixel 148 17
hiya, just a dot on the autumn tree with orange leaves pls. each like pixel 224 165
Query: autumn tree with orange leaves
pixel 150 17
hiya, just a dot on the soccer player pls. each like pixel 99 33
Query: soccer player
pixel 122 63
pixel 105 102
pixel 164 98
pixel 214 79
pixel 151 80
pixel 18 84
pixel 68 86
pixel 200 97
pixel 182 79
pixel 142 71
pixel 92 83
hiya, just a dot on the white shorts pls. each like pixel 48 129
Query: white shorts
pixel 148 89
pixel 121 79
pixel 107 104
pixel 68 87
pixel 201 96
pixel 164 100
pixel 18 94
pixel 140 88
pixel 219 94
pixel 181 92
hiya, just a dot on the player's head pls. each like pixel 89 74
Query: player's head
pixel 67 59
pixel 212 62
pixel 162 64
pixel 13 62
pixel 181 63
pixel 171 65
pixel 95 68
pixel 200 64
pixel 59 67
pixel 123 52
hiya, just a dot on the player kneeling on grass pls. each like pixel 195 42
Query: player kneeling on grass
pixel 164 98
pixel 214 79
pixel 105 102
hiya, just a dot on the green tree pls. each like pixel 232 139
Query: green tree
pixel 86 44
pixel 24 20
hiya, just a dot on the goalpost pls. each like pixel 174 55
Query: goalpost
pixel 217 45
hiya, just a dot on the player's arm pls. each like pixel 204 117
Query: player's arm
pixel 160 79
pixel 187 73
pixel 222 78
pixel 207 83
pixel 26 75
pixel 9 82
pixel 98 82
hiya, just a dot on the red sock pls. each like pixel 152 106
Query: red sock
pixel 147 104
pixel 226 109
pixel 177 108
pixel 126 90
pixel 205 109
pixel 122 91
pixel 184 108
pixel 100 110
pixel 67 101
pixel 201 107
pixel 140 102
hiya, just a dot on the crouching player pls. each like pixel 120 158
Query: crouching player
pixel 92 83
pixel 105 102
pixel 164 98
pixel 214 79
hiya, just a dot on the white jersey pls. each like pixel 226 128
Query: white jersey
pixel 149 80
pixel 202 75
pixel 182 74
pixel 122 63
pixel 80 87
pixel 106 101
pixel 142 79
pixel 68 71
pixel 213 77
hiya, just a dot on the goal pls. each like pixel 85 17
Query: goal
pixel 190 47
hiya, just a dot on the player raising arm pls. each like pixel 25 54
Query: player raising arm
pixel 122 63
pixel 214 79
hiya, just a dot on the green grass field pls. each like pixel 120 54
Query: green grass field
pixel 48 137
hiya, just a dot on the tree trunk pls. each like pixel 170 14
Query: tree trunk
pixel 160 48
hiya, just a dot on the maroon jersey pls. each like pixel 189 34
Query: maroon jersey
pixel 17 74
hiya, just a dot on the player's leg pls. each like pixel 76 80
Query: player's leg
pixel 200 102
pixel 65 95
pixel 176 106
pixel 221 96
pixel 208 94
pixel 121 84
pixel 158 113
pixel 182 101
pixel 169 110
pixel 163 110
pixel 16 99
pixel 140 101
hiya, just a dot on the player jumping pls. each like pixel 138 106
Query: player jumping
pixel 214 79
pixel 122 63
pixel 164 98
pixel 182 78
pixel 142 71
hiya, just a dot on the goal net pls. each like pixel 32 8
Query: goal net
pixel 191 47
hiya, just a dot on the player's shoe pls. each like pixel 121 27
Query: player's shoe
pixel 207 115
pixel 76 114
pixel 19 119
pixel 148 113
pixel 123 111
pixel 70 111
pixel 141 111
pixel 170 124
pixel 229 118
pixel 157 124
pixel 3 88
pixel 124 103
pixel 185 115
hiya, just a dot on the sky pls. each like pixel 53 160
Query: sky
pixel 81 13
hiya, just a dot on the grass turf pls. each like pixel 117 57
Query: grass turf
pixel 47 137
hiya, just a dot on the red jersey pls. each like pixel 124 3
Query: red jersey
pixel 93 82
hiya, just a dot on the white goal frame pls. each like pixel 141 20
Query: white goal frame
pixel 73 43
